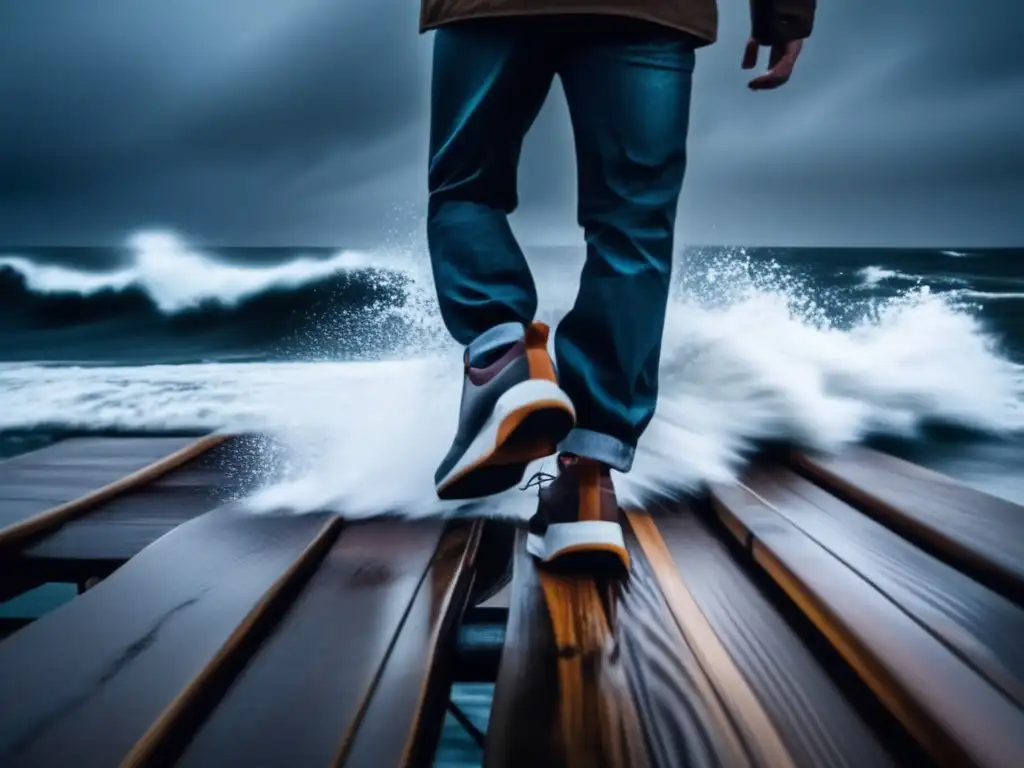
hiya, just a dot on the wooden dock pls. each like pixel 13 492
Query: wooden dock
pixel 852 611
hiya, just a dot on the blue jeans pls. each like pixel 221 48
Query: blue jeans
pixel 627 85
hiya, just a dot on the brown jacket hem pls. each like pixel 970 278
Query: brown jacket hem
pixel 704 37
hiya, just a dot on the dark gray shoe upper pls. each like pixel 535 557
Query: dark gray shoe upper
pixel 481 388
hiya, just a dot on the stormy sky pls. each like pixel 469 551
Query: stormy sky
pixel 305 123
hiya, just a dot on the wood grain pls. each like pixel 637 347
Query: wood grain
pixel 968 528
pixel 597 721
pixel 405 714
pixel 311 682
pixel 813 720
pixel 526 690
pixel 560 678
pixel 953 713
pixel 79 487
pixel 758 731
pixel 87 683
pixel 684 721
pixel 981 626
pixel 119 528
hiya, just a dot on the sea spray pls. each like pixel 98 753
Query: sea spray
pixel 753 351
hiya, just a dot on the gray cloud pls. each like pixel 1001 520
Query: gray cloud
pixel 305 123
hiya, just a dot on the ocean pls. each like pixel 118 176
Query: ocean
pixel 341 357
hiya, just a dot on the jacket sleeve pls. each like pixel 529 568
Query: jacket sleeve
pixel 780 21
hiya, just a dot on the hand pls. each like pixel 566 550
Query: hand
pixel 780 64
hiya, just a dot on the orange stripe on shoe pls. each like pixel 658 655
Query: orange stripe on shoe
pixel 590 490
pixel 537 355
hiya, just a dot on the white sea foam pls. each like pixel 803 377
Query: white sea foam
pixel 748 355
pixel 178 277
pixel 988 295
pixel 873 276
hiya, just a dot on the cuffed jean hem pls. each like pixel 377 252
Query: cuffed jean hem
pixel 494 338
pixel 599 447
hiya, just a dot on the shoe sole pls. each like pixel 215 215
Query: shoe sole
pixel 527 423
pixel 586 545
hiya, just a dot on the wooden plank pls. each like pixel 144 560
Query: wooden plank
pixel 119 528
pixel 139 461
pixel 813 724
pixel 403 721
pixel 526 690
pixel 684 720
pixel 104 678
pixel 758 732
pixel 978 624
pixel 560 679
pixel 309 687
pixel 953 713
pixel 601 673
pixel 968 528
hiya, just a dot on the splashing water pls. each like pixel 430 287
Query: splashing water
pixel 750 353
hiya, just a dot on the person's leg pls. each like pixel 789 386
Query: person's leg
pixel 628 90
pixel 490 80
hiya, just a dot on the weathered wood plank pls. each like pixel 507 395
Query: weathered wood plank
pixel 981 626
pixel 104 678
pixel 953 713
pixel 601 673
pixel 815 723
pixel 112 538
pixel 526 689
pixel 311 682
pixel 758 732
pixel 968 528
pixel 119 528
pixel 404 717
pixel 560 679
pixel 684 721
pixel 139 461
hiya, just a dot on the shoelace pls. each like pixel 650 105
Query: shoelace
pixel 538 479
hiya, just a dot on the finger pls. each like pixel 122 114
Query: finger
pixel 773 78
pixel 750 54
pixel 781 70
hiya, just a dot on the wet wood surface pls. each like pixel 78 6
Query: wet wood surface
pixel 561 679
pixel 813 721
pixel 403 719
pixel 45 488
pixel 313 685
pixel 231 637
pixel 955 715
pixel 684 721
pixel 113 531
pixel 85 684
pixel 526 689
pixel 968 528
pixel 981 626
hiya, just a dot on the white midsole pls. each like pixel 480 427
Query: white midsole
pixel 522 395
pixel 576 536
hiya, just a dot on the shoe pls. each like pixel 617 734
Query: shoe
pixel 513 412
pixel 577 519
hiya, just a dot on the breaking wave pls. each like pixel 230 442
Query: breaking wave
pixel 177 279
pixel 751 353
